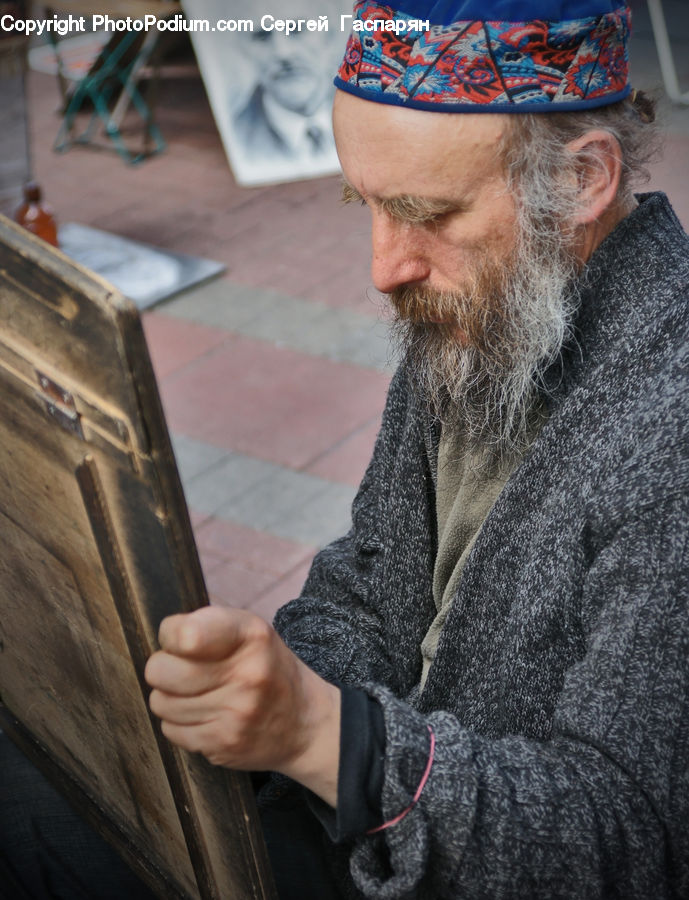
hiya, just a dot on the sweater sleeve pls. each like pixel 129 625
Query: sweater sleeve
pixel 599 809
pixel 340 624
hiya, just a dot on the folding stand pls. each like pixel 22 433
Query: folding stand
pixel 111 85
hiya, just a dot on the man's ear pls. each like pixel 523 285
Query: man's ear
pixel 598 163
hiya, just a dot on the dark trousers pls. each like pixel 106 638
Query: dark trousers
pixel 47 852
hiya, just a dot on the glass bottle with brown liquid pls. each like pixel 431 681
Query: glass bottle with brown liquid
pixel 36 216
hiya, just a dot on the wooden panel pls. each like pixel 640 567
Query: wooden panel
pixel 95 549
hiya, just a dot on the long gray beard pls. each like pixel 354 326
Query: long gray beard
pixel 491 388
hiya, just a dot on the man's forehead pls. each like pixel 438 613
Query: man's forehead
pixel 412 151
pixel 407 122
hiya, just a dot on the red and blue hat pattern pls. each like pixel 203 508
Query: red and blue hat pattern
pixel 489 66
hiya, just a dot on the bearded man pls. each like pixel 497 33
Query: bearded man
pixel 486 691
pixel 483 689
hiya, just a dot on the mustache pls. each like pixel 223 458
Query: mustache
pixel 422 305
pixel 475 311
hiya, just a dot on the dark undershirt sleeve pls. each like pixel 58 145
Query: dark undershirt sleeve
pixel 360 777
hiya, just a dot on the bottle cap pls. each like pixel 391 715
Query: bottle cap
pixel 32 192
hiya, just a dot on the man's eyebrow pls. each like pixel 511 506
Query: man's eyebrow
pixel 406 207
pixel 350 193
pixel 417 210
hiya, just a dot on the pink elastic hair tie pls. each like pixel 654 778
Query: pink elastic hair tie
pixel 415 798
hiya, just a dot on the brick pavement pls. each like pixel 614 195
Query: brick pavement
pixel 273 377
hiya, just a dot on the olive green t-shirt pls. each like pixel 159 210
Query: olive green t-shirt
pixel 468 486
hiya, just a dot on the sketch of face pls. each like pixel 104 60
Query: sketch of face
pixel 291 68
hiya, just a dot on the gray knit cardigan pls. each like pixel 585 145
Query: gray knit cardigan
pixel 559 695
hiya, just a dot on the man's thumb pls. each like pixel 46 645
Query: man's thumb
pixel 208 633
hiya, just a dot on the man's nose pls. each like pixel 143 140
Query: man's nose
pixel 398 254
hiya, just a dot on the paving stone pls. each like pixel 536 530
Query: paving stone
pixel 233 490
pixel 220 303
pixel 209 562
pixel 321 519
pixel 173 344
pixel 272 499
pixel 271 403
pixel 232 476
pixel 295 506
pixel 675 159
pixel 350 286
pixel 197 519
pixel 346 462
pixel 231 584
pixel 229 541
pixel 281 592
pixel 194 457
pixel 310 327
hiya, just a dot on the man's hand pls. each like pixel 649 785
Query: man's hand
pixel 225 685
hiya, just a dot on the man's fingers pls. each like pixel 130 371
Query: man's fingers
pixel 211 633
pixel 200 650
pixel 182 677
pixel 205 739
pixel 181 710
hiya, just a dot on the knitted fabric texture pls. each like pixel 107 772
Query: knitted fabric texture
pixel 559 693
pixel 489 66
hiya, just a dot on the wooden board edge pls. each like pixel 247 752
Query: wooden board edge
pixel 23 242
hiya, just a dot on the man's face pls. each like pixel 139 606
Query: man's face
pixel 478 287
pixel 448 162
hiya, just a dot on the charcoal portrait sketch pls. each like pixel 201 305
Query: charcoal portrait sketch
pixel 271 91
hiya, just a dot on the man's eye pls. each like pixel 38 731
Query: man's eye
pixel 435 219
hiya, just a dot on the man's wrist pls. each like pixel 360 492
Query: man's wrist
pixel 316 766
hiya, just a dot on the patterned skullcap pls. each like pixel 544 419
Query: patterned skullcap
pixel 489 55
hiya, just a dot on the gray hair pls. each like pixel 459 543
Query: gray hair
pixel 534 150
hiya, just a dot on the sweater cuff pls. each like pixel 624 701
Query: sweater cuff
pixel 360 776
